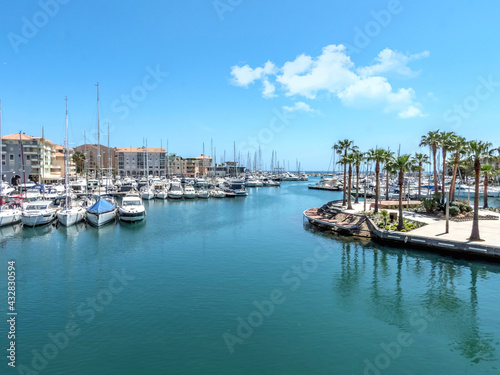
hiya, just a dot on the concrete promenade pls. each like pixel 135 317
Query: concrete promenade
pixel 433 234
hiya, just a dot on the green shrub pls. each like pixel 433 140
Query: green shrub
pixel 430 204
pixel 454 210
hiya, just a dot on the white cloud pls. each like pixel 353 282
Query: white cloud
pixel 333 72
pixel 299 107
pixel 244 75
pixel 412 111
pixel 392 61
pixel 269 89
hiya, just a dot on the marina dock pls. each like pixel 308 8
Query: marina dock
pixel 430 237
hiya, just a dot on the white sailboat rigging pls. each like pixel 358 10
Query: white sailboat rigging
pixel 71 213
pixel 104 210
pixel 7 215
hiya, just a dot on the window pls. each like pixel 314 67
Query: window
pixel 11 157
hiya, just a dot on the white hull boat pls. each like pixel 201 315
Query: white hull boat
pixel 132 209
pixel 101 213
pixel 71 216
pixel 38 213
pixel 9 216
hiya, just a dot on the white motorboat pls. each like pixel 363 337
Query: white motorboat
pixel 147 192
pixel 161 193
pixel 175 191
pixel 189 192
pixel 217 193
pixel 38 213
pixel 253 182
pixel 102 212
pixel 132 209
pixel 33 193
pixel 234 187
pixel 9 215
pixel 203 194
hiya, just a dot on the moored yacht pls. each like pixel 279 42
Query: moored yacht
pixel 9 215
pixel 189 192
pixel 101 212
pixel 132 209
pixel 38 213
pixel 175 191
pixel 234 187
pixel 147 192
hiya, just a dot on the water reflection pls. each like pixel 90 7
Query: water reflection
pixel 394 285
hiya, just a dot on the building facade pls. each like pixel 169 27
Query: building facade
pixel 107 158
pixel 140 161
pixel 28 158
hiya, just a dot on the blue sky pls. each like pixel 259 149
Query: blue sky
pixel 284 75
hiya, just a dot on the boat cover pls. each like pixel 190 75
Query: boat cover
pixel 101 206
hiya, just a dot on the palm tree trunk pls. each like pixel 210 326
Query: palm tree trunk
pixel 344 195
pixel 377 171
pixel 485 197
pixel 349 205
pixel 475 223
pixel 444 170
pixel 436 187
pixel 387 186
pixel 419 179
pixel 401 182
pixel 454 177
pixel 357 184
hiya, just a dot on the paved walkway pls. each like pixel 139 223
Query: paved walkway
pixel 489 230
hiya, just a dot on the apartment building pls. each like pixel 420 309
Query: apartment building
pixel 28 158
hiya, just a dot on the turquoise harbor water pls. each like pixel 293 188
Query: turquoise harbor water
pixel 169 295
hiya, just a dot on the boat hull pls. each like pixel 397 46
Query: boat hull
pixel 9 217
pixel 101 219
pixel 70 217
pixel 33 219
pixel 175 195
pixel 131 217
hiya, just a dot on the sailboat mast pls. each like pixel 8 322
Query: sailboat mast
pixel 22 162
pixel 203 161
pixel 107 164
pixel 98 167
pixel 86 163
pixel 43 159
pixel 147 164
pixel 66 159
pixel 1 158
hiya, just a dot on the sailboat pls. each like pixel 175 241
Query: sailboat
pixel 146 191
pixel 203 192
pixel 104 210
pixel 7 215
pixel 71 213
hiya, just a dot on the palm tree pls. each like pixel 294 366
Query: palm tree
pixel 487 170
pixel 359 157
pixel 348 160
pixel 79 159
pixel 389 170
pixel 419 161
pixel 341 148
pixel 459 147
pixel 378 156
pixel 432 140
pixel 477 151
pixel 402 164
pixel 445 142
